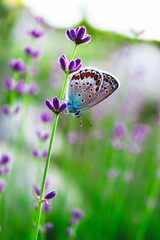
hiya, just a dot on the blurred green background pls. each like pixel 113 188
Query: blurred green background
pixel 114 180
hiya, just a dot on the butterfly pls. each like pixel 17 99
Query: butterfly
pixel 88 87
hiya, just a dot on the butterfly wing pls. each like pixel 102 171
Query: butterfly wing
pixel 87 87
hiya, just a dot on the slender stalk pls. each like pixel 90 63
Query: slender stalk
pixel 49 153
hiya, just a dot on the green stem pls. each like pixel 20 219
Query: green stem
pixel 49 154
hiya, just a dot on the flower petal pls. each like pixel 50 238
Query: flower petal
pixel 49 105
pixel 63 62
pixel 56 103
pixel 81 32
pixel 86 39
pixel 71 65
pixel 73 34
pixel 62 107
pixel 69 34
pixel 50 195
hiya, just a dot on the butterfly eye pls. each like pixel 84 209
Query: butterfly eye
pixel 79 94
pixel 82 100
pixel 89 95
pixel 76 83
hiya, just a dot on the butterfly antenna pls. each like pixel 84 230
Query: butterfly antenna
pixel 87 120
pixel 81 122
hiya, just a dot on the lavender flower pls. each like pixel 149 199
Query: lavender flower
pixel 70 232
pixel 2 186
pixel 50 195
pixel 119 130
pixel 46 117
pixel 18 65
pixel 45 153
pixel 44 137
pixel 34 53
pixel 112 173
pixel 48 227
pixel 71 66
pixel 78 35
pixel 128 176
pixel 55 105
pixel 39 20
pixel 77 213
pixel 32 89
pixel 6 110
pixel 20 86
pixel 74 221
pixel 7 170
pixel 35 153
pixel 35 33
pixel 9 83
pixel 5 159
pixel 140 133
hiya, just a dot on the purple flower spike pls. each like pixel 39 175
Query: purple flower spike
pixel 33 89
pixel 56 107
pixel 74 221
pixel 45 153
pixel 36 33
pixel 39 19
pixel 46 117
pixel 78 36
pixel 72 66
pixel 50 195
pixel 20 86
pixel 5 159
pixel 77 213
pixel 45 136
pixel 48 227
pixel 2 186
pixel 70 232
pixel 63 63
pixel 7 170
pixel 35 153
pixel 6 110
pixel 32 52
pixel 9 83
pixel 140 133
pixel 18 65
pixel 119 130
